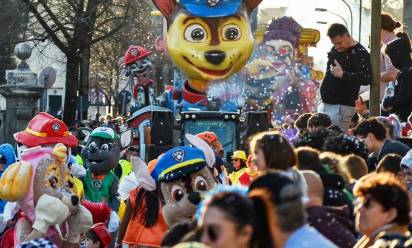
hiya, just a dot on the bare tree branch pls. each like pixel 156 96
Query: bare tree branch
pixel 46 27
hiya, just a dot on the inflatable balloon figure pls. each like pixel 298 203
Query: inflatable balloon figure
pixel 281 40
pixel 208 40
pixel 260 85
pixel 139 68
pixel 42 186
pixel 287 79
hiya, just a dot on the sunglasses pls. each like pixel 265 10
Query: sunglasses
pixel 212 232
pixel 236 159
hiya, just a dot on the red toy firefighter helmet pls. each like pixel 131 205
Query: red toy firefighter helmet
pixel 102 233
pixel 135 53
pixel 44 129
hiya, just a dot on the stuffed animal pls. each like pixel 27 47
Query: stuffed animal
pixel 100 156
pixel 182 174
pixel 209 40
pixel 43 189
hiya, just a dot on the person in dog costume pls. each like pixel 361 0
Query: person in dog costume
pixel 182 175
pixel 100 156
pixel 42 186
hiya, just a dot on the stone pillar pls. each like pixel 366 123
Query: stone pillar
pixel 22 93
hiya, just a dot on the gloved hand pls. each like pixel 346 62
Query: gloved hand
pixel 78 223
pixel 49 211
pixel 60 153
pixel 114 222
pixel 78 171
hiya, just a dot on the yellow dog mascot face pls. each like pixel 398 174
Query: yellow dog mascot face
pixel 208 39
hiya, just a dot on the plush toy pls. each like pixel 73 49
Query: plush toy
pixel 182 174
pixel 42 187
pixel 100 156
pixel 139 68
pixel 209 40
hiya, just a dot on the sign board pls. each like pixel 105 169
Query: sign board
pixel 47 77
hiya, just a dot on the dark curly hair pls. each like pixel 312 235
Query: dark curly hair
pixel 319 120
pixel 314 138
pixel 302 121
pixel 344 144
pixel 373 126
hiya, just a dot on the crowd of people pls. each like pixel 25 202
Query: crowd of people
pixel 324 187
pixel 333 178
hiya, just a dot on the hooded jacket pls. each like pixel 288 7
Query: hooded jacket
pixel 399 51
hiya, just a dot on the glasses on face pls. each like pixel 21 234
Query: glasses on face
pixel 235 159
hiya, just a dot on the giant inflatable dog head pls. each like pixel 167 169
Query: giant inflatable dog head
pixel 208 39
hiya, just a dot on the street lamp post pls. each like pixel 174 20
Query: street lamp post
pixel 351 16
pixel 360 20
pixel 325 10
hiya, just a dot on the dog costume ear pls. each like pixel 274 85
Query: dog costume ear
pixel 166 7
pixel 204 147
pixel 250 4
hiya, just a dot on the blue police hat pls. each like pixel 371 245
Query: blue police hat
pixel 177 163
pixel 211 8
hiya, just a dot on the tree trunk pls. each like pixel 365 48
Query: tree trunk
pixel 72 82
pixel 84 77
pixel 407 17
